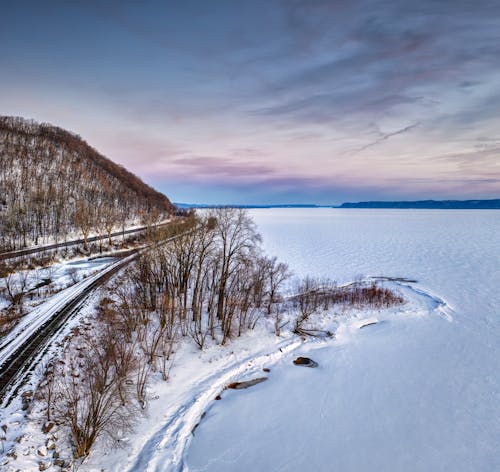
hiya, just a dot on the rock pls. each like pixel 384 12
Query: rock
pixel 51 445
pixel 47 427
pixel 266 369
pixel 218 397
pixel 368 324
pixel 42 451
pixel 55 455
pixel 26 399
pixel 60 463
pixel 12 454
pixel 305 362
pixel 44 465
pixel 246 384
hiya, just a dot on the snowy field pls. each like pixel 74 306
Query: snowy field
pixel 416 393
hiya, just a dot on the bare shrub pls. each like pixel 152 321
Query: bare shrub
pixel 313 295
pixel 91 392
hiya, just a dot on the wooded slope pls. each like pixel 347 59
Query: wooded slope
pixel 53 184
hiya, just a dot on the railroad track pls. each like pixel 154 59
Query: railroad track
pixel 21 362
pixel 76 242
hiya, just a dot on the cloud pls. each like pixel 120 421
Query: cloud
pixel 385 137
pixel 221 170
pixel 270 97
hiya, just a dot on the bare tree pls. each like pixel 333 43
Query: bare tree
pixel 237 237
pixel 92 396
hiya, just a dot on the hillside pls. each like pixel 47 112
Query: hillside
pixel 430 204
pixel 53 184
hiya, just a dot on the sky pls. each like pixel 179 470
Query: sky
pixel 269 101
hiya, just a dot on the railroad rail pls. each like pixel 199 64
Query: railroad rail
pixel 33 250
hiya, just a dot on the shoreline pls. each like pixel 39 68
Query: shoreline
pixel 172 435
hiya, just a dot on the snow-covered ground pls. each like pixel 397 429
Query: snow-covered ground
pixel 20 433
pixel 37 317
pixel 418 390
pixel 52 279
pixel 77 235
pixel 162 438
pixel 412 394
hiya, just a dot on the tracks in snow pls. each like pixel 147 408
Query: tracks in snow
pixel 173 438
pixel 166 450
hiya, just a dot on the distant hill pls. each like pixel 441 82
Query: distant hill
pixel 205 205
pixel 431 204
pixel 52 183
pixel 424 204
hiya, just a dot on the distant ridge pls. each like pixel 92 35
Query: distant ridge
pixel 285 205
pixel 423 204
pixel 431 204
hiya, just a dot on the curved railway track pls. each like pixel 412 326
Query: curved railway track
pixel 16 368
pixel 22 361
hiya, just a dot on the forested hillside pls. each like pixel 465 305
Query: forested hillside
pixel 53 184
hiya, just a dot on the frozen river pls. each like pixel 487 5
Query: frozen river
pixel 416 394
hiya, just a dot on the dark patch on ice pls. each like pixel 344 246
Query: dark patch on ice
pixel 245 384
pixel 373 324
pixel 368 324
pixel 305 362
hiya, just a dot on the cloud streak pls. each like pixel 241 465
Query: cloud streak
pixel 384 137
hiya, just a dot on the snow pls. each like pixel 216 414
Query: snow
pixel 418 390
pixel 61 275
pixel 414 393
pixel 161 439
pixel 23 428
pixel 75 235
pixel 37 317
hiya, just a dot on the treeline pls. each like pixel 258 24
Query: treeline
pixel 213 281
pixel 52 183
pixel 209 285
